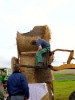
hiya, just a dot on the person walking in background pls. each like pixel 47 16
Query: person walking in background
pixel 17 85
pixel 42 45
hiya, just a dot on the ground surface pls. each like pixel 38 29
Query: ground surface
pixel 65 71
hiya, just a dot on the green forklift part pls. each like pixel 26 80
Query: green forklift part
pixel 6 78
pixel 1 78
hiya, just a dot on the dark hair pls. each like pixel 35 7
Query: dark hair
pixel 33 42
pixel 16 67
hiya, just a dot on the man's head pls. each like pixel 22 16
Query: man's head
pixel 16 67
pixel 33 42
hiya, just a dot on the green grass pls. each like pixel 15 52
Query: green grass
pixel 64 84
pixel 64 76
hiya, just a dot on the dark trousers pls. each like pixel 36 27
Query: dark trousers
pixel 18 97
pixel 39 55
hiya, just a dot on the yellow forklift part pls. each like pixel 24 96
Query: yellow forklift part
pixel 61 67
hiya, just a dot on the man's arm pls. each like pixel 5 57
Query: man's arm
pixel 8 88
pixel 25 86
pixel 39 48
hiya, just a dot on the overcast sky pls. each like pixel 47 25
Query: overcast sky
pixel 23 15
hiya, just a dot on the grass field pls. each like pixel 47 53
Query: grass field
pixel 64 84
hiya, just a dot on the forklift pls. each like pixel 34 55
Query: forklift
pixel 3 82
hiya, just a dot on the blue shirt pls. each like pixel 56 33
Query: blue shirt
pixel 43 43
pixel 17 84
